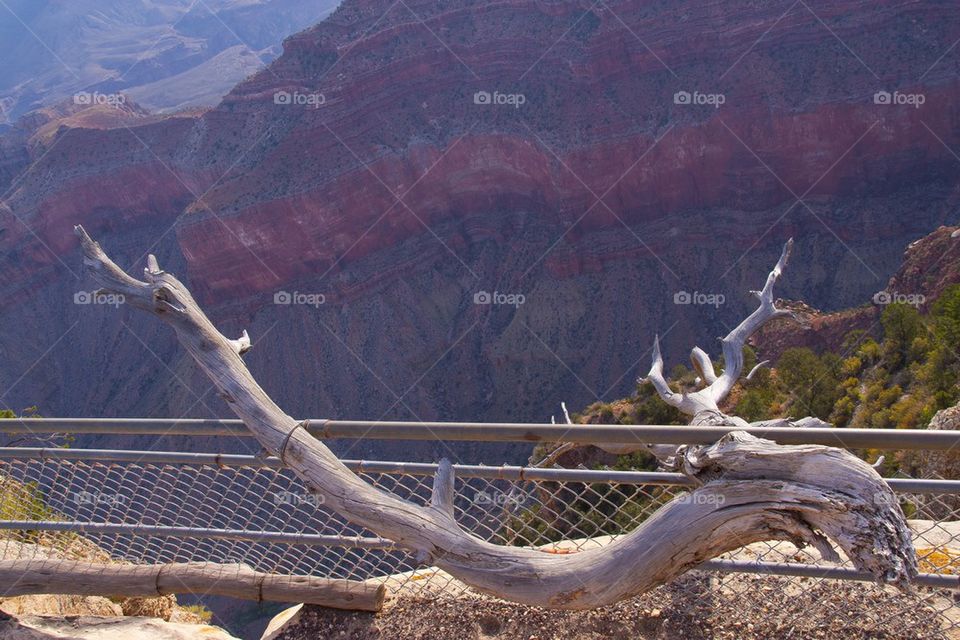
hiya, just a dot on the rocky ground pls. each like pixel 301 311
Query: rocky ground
pixel 431 605
pixel 692 608
pixel 104 628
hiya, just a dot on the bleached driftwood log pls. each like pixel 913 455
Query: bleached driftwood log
pixel 752 489
pixel 28 577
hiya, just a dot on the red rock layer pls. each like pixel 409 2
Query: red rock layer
pixel 304 188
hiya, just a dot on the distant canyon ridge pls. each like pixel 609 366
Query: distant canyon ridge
pixel 464 210
pixel 165 54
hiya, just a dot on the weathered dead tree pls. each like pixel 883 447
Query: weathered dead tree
pixel 703 404
pixel 751 489
pixel 29 577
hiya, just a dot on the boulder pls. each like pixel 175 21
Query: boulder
pixel 943 465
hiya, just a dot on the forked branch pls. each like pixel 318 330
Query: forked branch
pixel 736 340
pixel 751 489
pixel 718 387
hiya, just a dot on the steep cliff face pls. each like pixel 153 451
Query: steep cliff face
pixel 398 160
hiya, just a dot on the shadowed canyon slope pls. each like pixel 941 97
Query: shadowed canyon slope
pixel 399 160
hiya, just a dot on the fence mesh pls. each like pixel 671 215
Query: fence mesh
pixel 558 517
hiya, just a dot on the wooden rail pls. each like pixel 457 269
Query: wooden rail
pixel 48 576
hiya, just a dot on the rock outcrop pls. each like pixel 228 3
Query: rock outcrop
pixel 942 465
pixel 930 264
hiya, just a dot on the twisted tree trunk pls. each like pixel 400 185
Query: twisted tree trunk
pixel 752 489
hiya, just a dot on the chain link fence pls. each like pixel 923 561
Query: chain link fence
pixel 154 508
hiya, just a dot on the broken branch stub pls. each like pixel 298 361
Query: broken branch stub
pixel 808 493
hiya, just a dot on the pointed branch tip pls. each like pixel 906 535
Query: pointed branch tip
pixel 242 344
pixel 153 268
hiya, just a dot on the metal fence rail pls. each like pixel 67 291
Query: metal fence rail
pixel 891 439
pixel 502 472
pixel 156 507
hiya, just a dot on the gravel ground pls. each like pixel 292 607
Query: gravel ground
pixel 691 608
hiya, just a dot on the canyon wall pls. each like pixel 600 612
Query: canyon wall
pixel 397 162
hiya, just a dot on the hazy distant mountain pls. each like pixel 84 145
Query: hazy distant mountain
pixel 166 54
